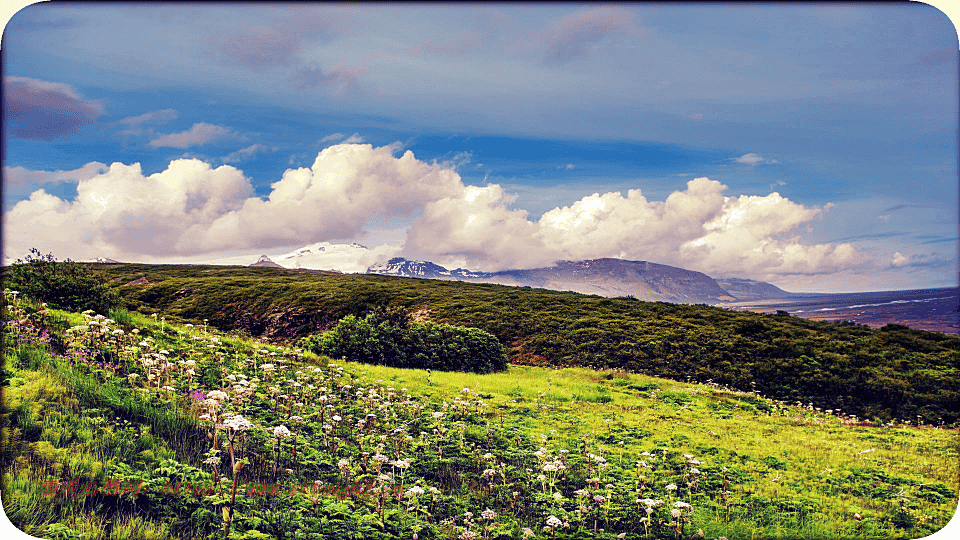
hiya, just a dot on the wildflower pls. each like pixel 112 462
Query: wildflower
pixel 415 491
pixel 238 423
pixel 681 504
pixel 217 395
pixel 553 522
pixel 488 514
pixel 528 532
pixel 671 487
pixel 281 431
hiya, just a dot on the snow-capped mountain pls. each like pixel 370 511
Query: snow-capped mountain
pixel 605 277
pixel 347 258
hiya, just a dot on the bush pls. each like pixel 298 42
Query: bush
pixel 389 338
pixel 63 285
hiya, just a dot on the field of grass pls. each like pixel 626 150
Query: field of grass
pixel 893 373
pixel 132 427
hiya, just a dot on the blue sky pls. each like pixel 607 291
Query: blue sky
pixel 812 146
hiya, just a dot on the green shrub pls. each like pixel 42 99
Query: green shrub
pixel 389 338
pixel 62 285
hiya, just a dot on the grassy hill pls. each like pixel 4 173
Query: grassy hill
pixel 885 374
pixel 133 427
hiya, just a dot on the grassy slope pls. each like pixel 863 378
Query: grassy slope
pixel 789 472
pixel 891 373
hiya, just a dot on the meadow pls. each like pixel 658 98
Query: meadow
pixel 125 425
pixel 890 374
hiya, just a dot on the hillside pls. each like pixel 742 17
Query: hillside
pixel 604 277
pixel 132 427
pixel 882 374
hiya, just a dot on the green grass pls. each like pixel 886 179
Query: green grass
pixel 792 456
pixel 767 469
pixel 886 374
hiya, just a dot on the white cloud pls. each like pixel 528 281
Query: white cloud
pixel 333 137
pixel 16 177
pixel 192 209
pixel 899 259
pixel 201 133
pixel 134 124
pixel 698 228
pixel 749 159
pixel 353 139
pixel 248 152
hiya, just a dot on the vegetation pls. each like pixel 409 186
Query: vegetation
pixel 878 375
pixel 62 285
pixel 390 338
pixel 132 427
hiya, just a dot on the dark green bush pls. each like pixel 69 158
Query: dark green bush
pixel 62 285
pixel 389 338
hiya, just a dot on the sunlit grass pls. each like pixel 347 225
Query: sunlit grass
pixel 794 472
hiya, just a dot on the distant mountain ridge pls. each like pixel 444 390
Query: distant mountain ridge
pixel 605 277
pixel 748 289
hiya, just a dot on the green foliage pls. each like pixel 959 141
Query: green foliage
pixel 62 285
pixel 466 441
pixel 886 374
pixel 390 338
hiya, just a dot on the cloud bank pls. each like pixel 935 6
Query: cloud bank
pixel 191 209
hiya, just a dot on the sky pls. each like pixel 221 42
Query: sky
pixel 811 146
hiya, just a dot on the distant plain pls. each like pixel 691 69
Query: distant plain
pixel 936 310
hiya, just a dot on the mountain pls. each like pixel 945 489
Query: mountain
pixel 605 277
pixel 326 256
pixel 398 266
pixel 748 289
pixel 266 261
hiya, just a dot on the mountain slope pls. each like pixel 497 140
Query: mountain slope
pixel 604 277
pixel 748 289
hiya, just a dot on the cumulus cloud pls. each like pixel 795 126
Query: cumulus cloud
pixel 192 209
pixel 17 177
pixel 579 34
pixel 44 110
pixel 698 228
pixel 201 133
pixel 899 259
